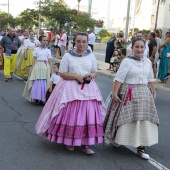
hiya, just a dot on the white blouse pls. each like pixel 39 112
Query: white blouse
pixel 42 54
pixel 55 78
pixel 78 65
pixel 134 72
pixel 31 45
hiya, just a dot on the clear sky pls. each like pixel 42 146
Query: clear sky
pixel 17 6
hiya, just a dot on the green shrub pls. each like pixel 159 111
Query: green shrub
pixel 105 39
pixel 103 33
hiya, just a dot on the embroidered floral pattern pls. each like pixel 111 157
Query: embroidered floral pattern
pixel 72 52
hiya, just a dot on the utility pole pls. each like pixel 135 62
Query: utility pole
pixel 127 19
pixel 39 18
pixel 156 20
pixel 8 13
pixel 78 4
pixel 134 18
pixel 89 6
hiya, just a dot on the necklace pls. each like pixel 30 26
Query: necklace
pixel 134 58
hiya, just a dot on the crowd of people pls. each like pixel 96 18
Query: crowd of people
pixel 157 50
pixel 74 112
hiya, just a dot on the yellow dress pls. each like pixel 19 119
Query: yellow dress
pixel 25 64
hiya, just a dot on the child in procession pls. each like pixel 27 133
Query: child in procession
pixel 55 78
pixel 39 79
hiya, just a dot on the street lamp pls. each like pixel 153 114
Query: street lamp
pixel 78 4
pixel 39 18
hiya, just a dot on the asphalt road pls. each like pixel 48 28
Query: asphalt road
pixel 22 149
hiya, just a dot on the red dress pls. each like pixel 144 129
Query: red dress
pixel 1 59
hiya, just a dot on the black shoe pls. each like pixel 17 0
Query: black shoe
pixel 41 103
pixel 6 79
pixel 167 75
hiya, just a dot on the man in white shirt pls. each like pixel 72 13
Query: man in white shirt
pixel 139 34
pixel 62 42
pixel 92 39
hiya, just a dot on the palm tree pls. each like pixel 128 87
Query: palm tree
pixel 162 2
pixel 78 4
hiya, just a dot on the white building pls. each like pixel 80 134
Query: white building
pixel 142 16
pixel 163 22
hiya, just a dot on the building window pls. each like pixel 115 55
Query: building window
pixel 152 19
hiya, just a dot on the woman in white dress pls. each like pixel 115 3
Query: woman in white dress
pixel 131 116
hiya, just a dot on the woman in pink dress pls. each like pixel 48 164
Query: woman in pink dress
pixel 75 111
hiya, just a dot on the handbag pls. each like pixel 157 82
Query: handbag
pixel 112 59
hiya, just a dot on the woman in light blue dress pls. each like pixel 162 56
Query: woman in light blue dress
pixel 163 66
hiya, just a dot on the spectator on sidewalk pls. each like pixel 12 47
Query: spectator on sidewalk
pixel 152 51
pixel 74 36
pixel 164 66
pixel 142 35
pixel 56 41
pixel 92 38
pixel 159 42
pixel 62 42
pixel 50 41
pixel 120 50
pixel 109 51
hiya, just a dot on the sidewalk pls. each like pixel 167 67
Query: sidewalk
pixel 102 70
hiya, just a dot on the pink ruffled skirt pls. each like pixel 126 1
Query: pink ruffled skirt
pixel 79 123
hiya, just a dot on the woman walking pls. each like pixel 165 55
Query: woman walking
pixel 39 79
pixel 74 112
pixel 132 117
pixel 27 57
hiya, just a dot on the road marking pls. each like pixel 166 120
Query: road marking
pixel 99 54
pixel 151 161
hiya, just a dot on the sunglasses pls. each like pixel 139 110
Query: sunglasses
pixel 168 33
pixel 139 36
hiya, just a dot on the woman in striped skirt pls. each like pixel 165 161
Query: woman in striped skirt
pixel 131 116
pixel 39 79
